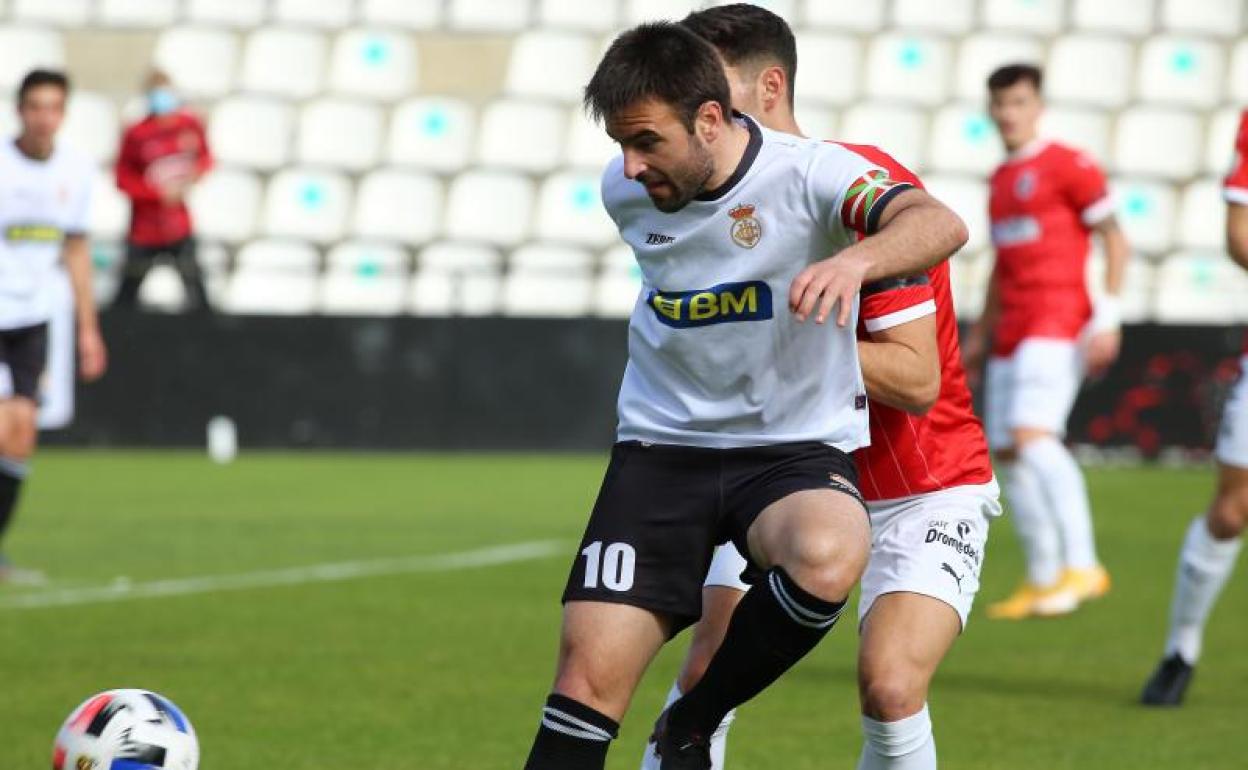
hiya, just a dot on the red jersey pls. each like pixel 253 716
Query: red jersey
pixel 1235 186
pixel 1043 203
pixel 912 455
pixel 154 152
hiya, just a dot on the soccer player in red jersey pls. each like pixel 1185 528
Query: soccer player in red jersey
pixel 927 477
pixel 1041 334
pixel 161 158
pixel 1214 538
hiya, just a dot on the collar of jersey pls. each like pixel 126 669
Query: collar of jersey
pixel 743 167
pixel 1029 150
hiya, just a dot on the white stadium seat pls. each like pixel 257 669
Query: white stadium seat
pixel 488 15
pixel 242 14
pixel 1202 215
pixel 284 62
pixel 9 124
pixel 1067 77
pixel 980 55
pixel 434 133
pixel 137 13
pixel 948 16
pixel 340 133
pixel 1137 286
pixel 351 293
pixel 550 65
pixel 1220 148
pixel 913 68
pixel 66 13
pixel 815 120
pixel 552 257
pixel 275 255
pixel 1220 18
pixel 432 293
pixel 368 257
pixel 619 257
pixel 526 136
pixel 251 292
pixel 969 272
pixel 201 61
pixel 373 64
pixel 588 145
pixel 1154 141
pixel 828 67
pixel 491 206
pixel 92 126
pixel 547 293
pixel 964 139
pixel 1200 287
pixel 407 14
pixel 1180 71
pixel 845 15
pixel 163 290
pixel 900 131
pixel 327 14
pixel 968 197
pixel 637 11
pixel 308 204
pixel 224 205
pixel 1084 128
pixel 1125 17
pixel 480 294
pixel 398 205
pixel 25 48
pixel 452 257
pixel 570 209
pixel 616 292
pixel 1146 211
pixel 1042 17
pixel 1237 82
pixel 110 209
pixel 589 15
pixel 252 131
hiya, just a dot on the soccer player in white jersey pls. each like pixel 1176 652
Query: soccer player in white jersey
pixel 739 403
pixel 44 197
pixel 927 476
pixel 1213 538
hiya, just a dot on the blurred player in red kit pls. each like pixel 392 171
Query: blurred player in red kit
pixel 1041 335
pixel 162 157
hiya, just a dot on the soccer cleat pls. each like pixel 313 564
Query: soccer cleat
pixel 1087 583
pixel 690 752
pixel 1030 600
pixel 1168 683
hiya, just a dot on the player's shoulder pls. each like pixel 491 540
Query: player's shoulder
pixel 1060 153
pixel 897 170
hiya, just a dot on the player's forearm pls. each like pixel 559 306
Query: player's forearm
pixel 1117 253
pixel 916 233
pixel 77 257
pixel 899 376
pixel 991 311
pixel 1237 233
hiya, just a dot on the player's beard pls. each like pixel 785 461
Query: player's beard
pixel 686 181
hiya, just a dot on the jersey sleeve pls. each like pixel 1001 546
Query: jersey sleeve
pixel 848 192
pixel 1088 191
pixel 1235 186
pixel 895 301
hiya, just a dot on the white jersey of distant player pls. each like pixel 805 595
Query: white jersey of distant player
pixel 715 357
pixel 41 202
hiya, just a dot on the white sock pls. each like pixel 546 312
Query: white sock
pixel 1204 566
pixel 719 739
pixel 907 744
pixel 1035 526
pixel 1063 484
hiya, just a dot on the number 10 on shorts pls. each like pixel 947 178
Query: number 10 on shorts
pixel 615 565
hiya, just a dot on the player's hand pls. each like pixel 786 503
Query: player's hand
pixel 92 355
pixel 830 281
pixel 1102 351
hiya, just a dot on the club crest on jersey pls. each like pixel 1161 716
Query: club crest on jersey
pixel 724 303
pixel 1025 185
pixel 746 229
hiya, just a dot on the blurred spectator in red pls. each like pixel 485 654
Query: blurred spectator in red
pixel 162 157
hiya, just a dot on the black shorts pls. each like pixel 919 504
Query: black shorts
pixel 25 350
pixel 663 509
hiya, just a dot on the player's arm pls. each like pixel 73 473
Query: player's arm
pixel 1105 340
pixel 129 174
pixel 92 355
pixel 1237 233
pixel 900 360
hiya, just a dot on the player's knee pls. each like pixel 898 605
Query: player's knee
pixel 577 679
pixel 827 564
pixel 1228 516
pixel 891 694
pixel 1005 455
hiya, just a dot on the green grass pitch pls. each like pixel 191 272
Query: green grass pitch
pixel 446 670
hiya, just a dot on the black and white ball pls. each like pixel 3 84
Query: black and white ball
pixel 126 730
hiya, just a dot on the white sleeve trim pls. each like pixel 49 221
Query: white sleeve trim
pixel 899 317
pixel 1098 212
pixel 1236 195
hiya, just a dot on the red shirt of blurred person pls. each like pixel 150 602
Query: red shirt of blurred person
pixel 161 156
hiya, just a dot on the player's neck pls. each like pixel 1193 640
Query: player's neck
pixel 34 148
pixel 728 153
pixel 1022 143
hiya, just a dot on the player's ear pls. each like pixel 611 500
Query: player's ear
pixel 709 121
pixel 773 85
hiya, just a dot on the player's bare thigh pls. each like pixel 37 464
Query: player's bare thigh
pixel 604 649
pixel 821 537
pixel 904 638
pixel 18 430
pixel 1228 515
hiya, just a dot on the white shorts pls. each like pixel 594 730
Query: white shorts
pixel 1034 388
pixel 930 544
pixel 1232 447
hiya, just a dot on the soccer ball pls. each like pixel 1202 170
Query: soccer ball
pixel 126 730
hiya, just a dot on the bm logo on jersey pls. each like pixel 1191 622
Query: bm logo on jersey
pixel 746 229
pixel 725 303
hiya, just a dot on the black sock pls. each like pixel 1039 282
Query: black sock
pixel 773 628
pixel 572 736
pixel 10 484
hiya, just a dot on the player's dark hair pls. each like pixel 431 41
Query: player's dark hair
pixel 747 34
pixel 659 60
pixel 36 78
pixel 1012 74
